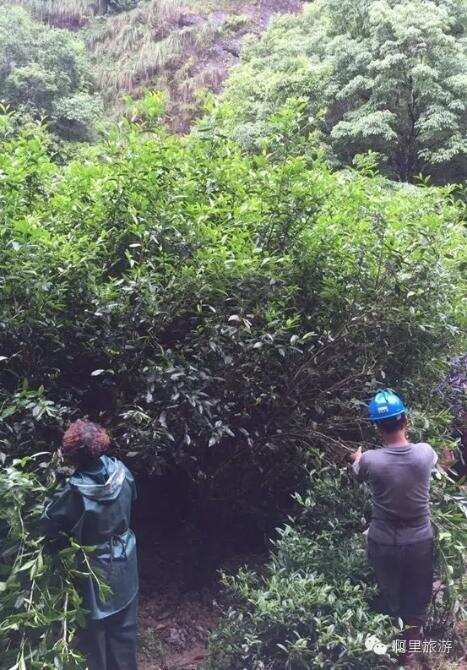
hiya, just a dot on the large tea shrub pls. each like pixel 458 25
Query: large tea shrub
pixel 220 313
pixel 225 317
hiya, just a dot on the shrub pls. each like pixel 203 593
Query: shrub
pixel 40 607
pixel 44 72
pixel 224 315
pixel 220 312
pixel 310 607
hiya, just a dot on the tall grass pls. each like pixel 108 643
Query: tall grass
pixel 156 18
pixel 155 45
pixel 150 41
pixel 70 14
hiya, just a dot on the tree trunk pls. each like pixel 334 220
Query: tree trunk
pixel 406 159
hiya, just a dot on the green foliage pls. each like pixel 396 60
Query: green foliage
pixel 309 609
pixel 448 518
pixel 40 607
pixel 134 47
pixel 44 72
pixel 149 110
pixel 387 76
pixel 226 315
pixel 311 606
pixel 221 312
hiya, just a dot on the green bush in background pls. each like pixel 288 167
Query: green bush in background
pixel 356 76
pixel 44 72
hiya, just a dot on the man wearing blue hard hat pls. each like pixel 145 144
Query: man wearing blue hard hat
pixel 400 536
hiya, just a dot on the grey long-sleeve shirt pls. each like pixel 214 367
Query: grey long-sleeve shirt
pixel 399 478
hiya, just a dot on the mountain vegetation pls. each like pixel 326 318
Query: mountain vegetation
pixel 372 75
pixel 45 72
pixel 182 47
pixel 225 301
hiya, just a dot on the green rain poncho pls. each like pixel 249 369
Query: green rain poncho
pixel 94 507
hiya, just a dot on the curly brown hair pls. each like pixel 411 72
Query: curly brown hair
pixel 85 440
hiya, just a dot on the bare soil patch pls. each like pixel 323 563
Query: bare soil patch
pixel 209 66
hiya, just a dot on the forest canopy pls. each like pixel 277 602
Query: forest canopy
pixel 385 76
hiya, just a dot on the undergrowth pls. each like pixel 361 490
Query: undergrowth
pixel 311 607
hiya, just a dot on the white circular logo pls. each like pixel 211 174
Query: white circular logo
pixel 372 643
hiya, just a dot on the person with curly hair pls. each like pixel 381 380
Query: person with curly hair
pixel 94 507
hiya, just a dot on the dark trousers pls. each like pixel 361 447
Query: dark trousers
pixel 405 578
pixel 110 643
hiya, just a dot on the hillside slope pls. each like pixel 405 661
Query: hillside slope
pixel 184 47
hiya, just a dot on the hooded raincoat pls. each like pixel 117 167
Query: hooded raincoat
pixel 94 507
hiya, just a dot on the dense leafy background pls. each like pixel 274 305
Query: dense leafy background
pixel 387 76
pixel 227 313
pixel 183 47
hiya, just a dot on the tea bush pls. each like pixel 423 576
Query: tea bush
pixel 40 607
pixel 311 607
pixel 221 313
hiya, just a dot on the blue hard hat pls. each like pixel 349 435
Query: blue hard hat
pixel 385 405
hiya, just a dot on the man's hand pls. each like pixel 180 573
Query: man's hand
pixel 447 458
pixel 356 455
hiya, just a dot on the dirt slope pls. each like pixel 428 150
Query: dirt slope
pixel 183 47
